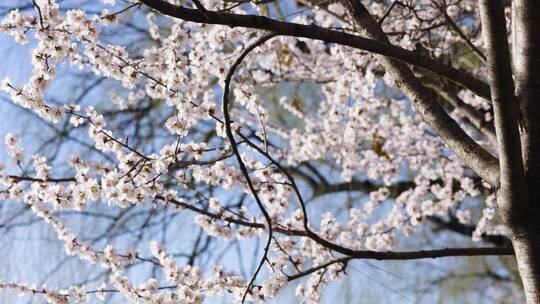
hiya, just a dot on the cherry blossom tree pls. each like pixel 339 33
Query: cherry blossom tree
pixel 463 127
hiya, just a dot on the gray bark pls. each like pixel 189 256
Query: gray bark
pixel 525 225
pixel 512 194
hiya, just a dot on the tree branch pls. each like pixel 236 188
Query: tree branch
pixel 409 255
pixel 474 116
pixel 363 186
pixel 234 147
pixel 432 254
pixel 461 35
pixel 513 189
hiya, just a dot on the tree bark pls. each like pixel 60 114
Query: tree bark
pixel 527 250
pixel 512 188
pixel 525 225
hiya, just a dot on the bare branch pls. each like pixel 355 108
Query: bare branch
pixel 513 190
pixel 462 35
pixel 474 116
pixel 234 147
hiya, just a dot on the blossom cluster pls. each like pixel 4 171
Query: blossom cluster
pixel 358 134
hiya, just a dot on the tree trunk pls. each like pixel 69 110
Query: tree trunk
pixel 527 250
pixel 525 226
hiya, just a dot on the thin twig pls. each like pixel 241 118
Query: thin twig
pixel 234 147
